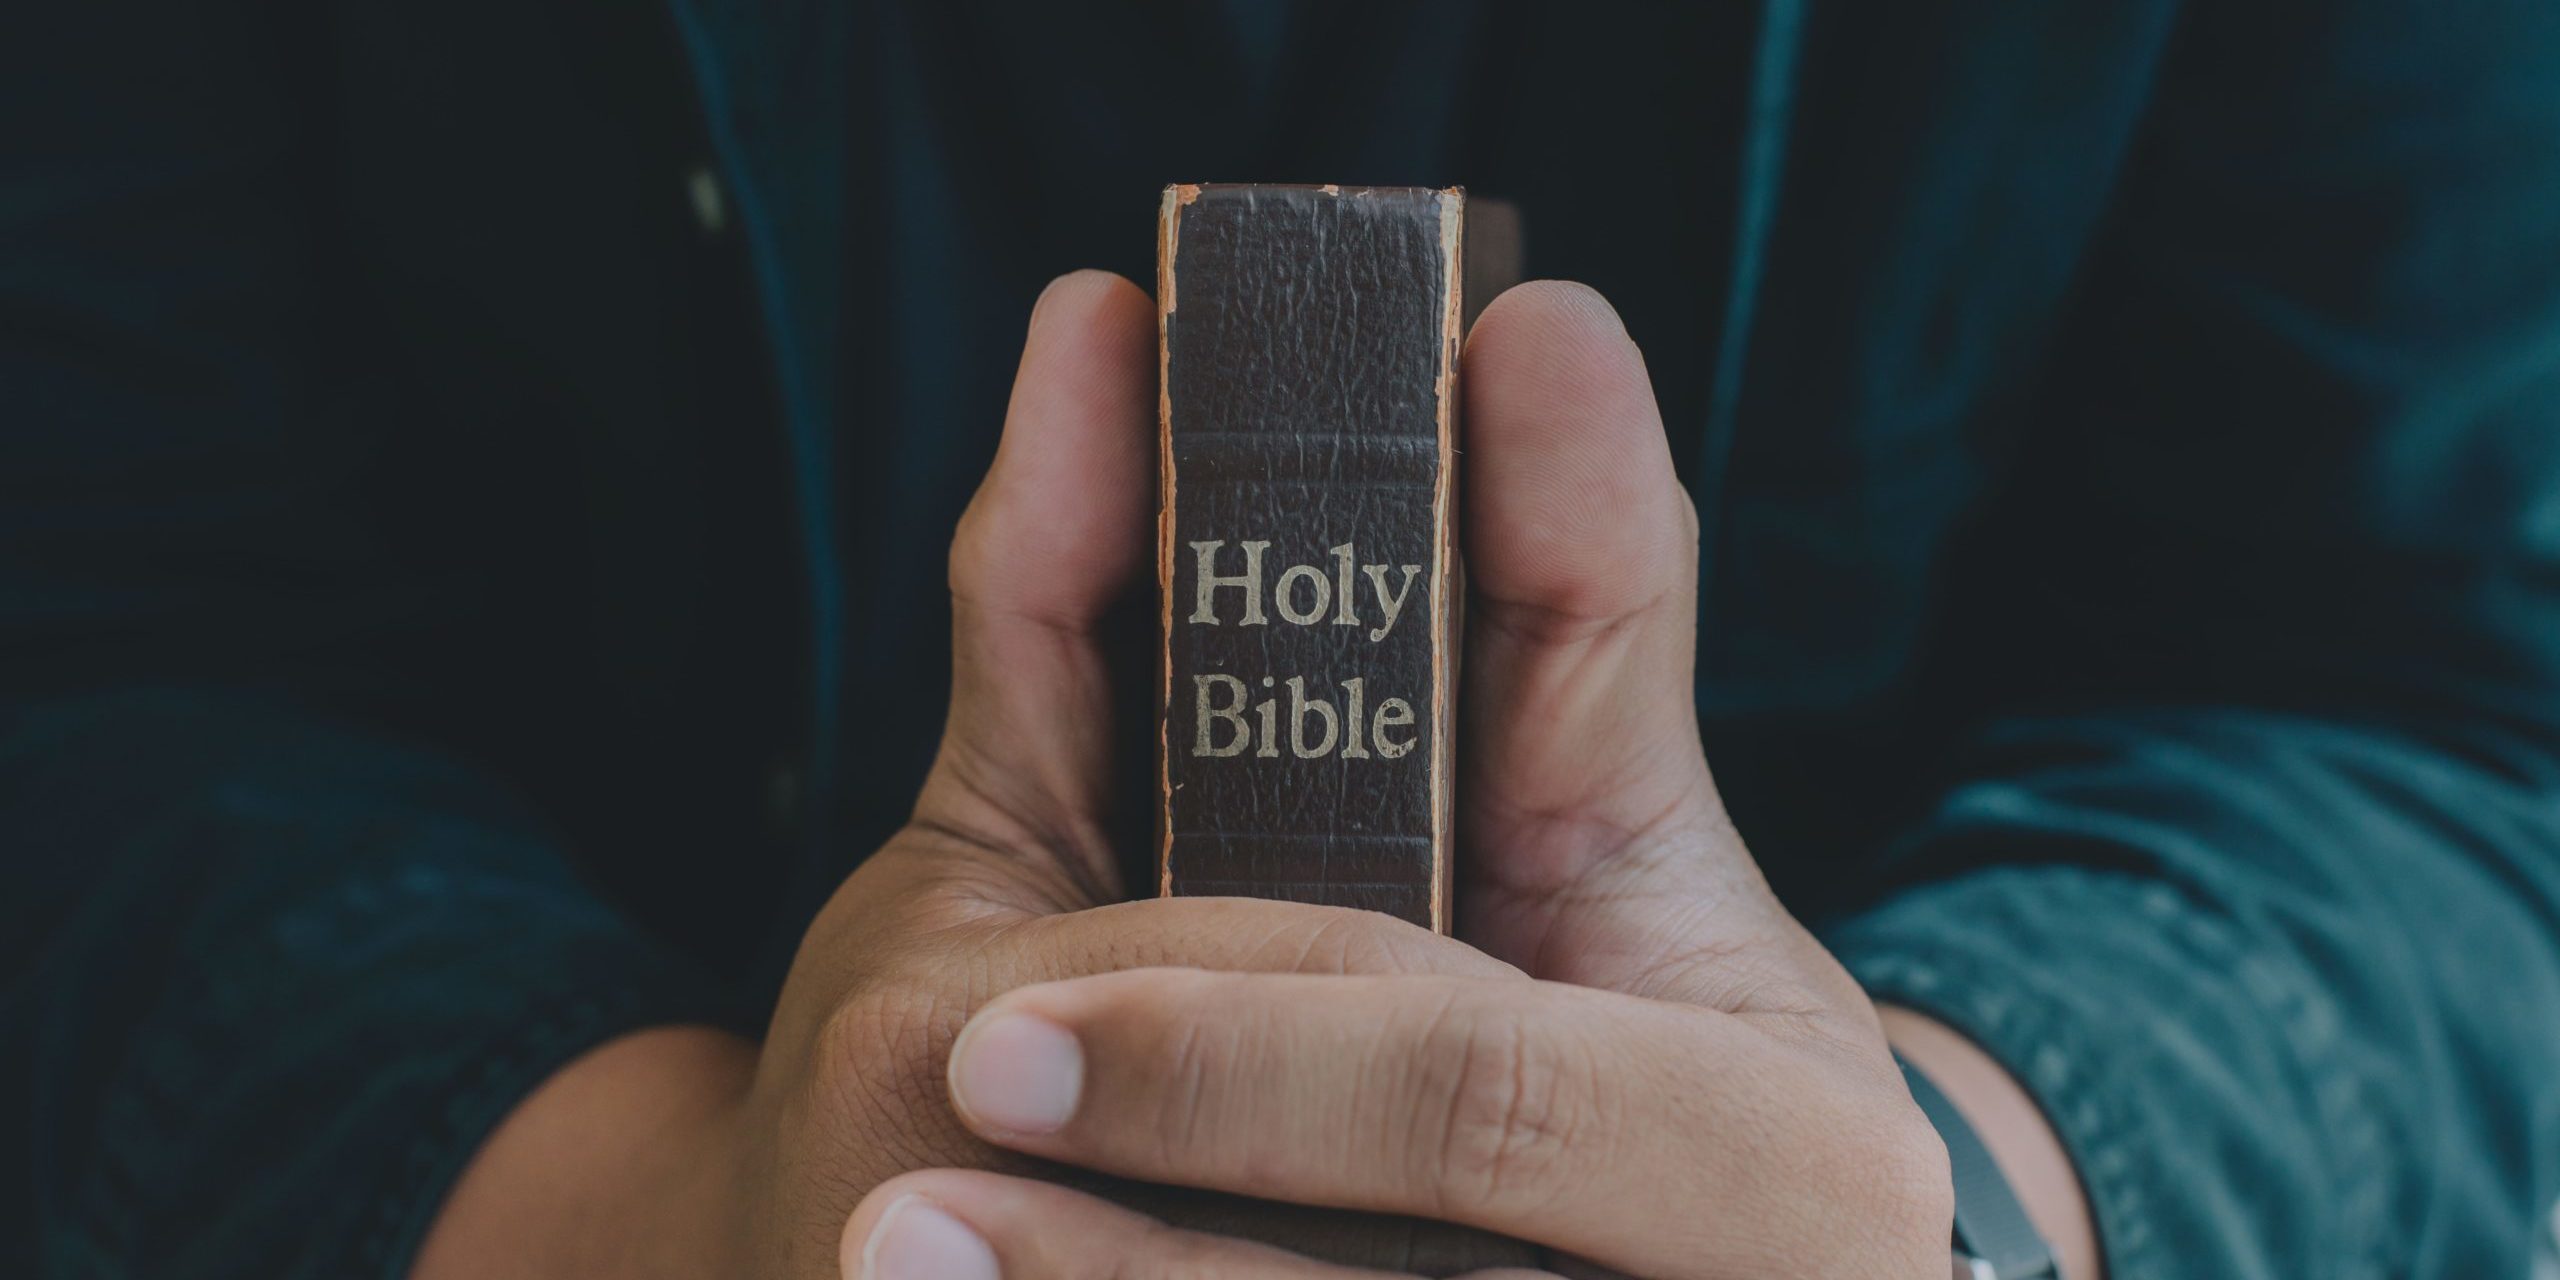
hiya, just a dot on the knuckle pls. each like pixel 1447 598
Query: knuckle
pixel 1360 942
pixel 876 1084
pixel 968 562
pixel 1918 1201
pixel 1878 1164
pixel 1156 1251
pixel 1193 1051
pixel 1348 941
pixel 1344 944
pixel 1512 1111
pixel 854 1035
pixel 883 1044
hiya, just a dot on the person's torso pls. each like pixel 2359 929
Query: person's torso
pixel 560 346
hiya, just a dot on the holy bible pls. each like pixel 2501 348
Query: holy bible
pixel 1308 418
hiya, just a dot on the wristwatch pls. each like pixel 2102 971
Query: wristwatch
pixel 1994 1240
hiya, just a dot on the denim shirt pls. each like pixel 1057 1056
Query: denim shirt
pixel 473 481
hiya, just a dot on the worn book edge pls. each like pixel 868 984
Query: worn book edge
pixel 1452 208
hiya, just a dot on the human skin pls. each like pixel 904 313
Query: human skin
pixel 1635 1060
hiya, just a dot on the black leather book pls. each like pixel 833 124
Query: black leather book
pixel 1305 543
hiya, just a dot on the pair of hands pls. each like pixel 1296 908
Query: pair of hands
pixel 1635 1062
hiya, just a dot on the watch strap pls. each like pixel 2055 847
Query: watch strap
pixel 1992 1227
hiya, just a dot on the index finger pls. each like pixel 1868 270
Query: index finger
pixel 1655 1138
pixel 1239 935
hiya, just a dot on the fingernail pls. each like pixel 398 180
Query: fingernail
pixel 1017 1073
pixel 916 1241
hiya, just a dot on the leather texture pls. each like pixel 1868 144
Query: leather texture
pixel 1310 339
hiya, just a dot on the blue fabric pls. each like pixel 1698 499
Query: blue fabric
pixel 454 605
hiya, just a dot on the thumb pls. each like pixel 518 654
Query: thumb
pixel 1596 847
pixel 1057 532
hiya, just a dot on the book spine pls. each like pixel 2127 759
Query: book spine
pixel 1308 429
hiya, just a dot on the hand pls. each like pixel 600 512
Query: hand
pixel 1003 875
pixel 688 1153
pixel 1694 1089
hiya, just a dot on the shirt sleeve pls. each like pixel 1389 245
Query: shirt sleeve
pixel 2253 876
pixel 279 978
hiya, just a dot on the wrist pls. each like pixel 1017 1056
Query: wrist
pixel 620 1164
pixel 2012 1126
